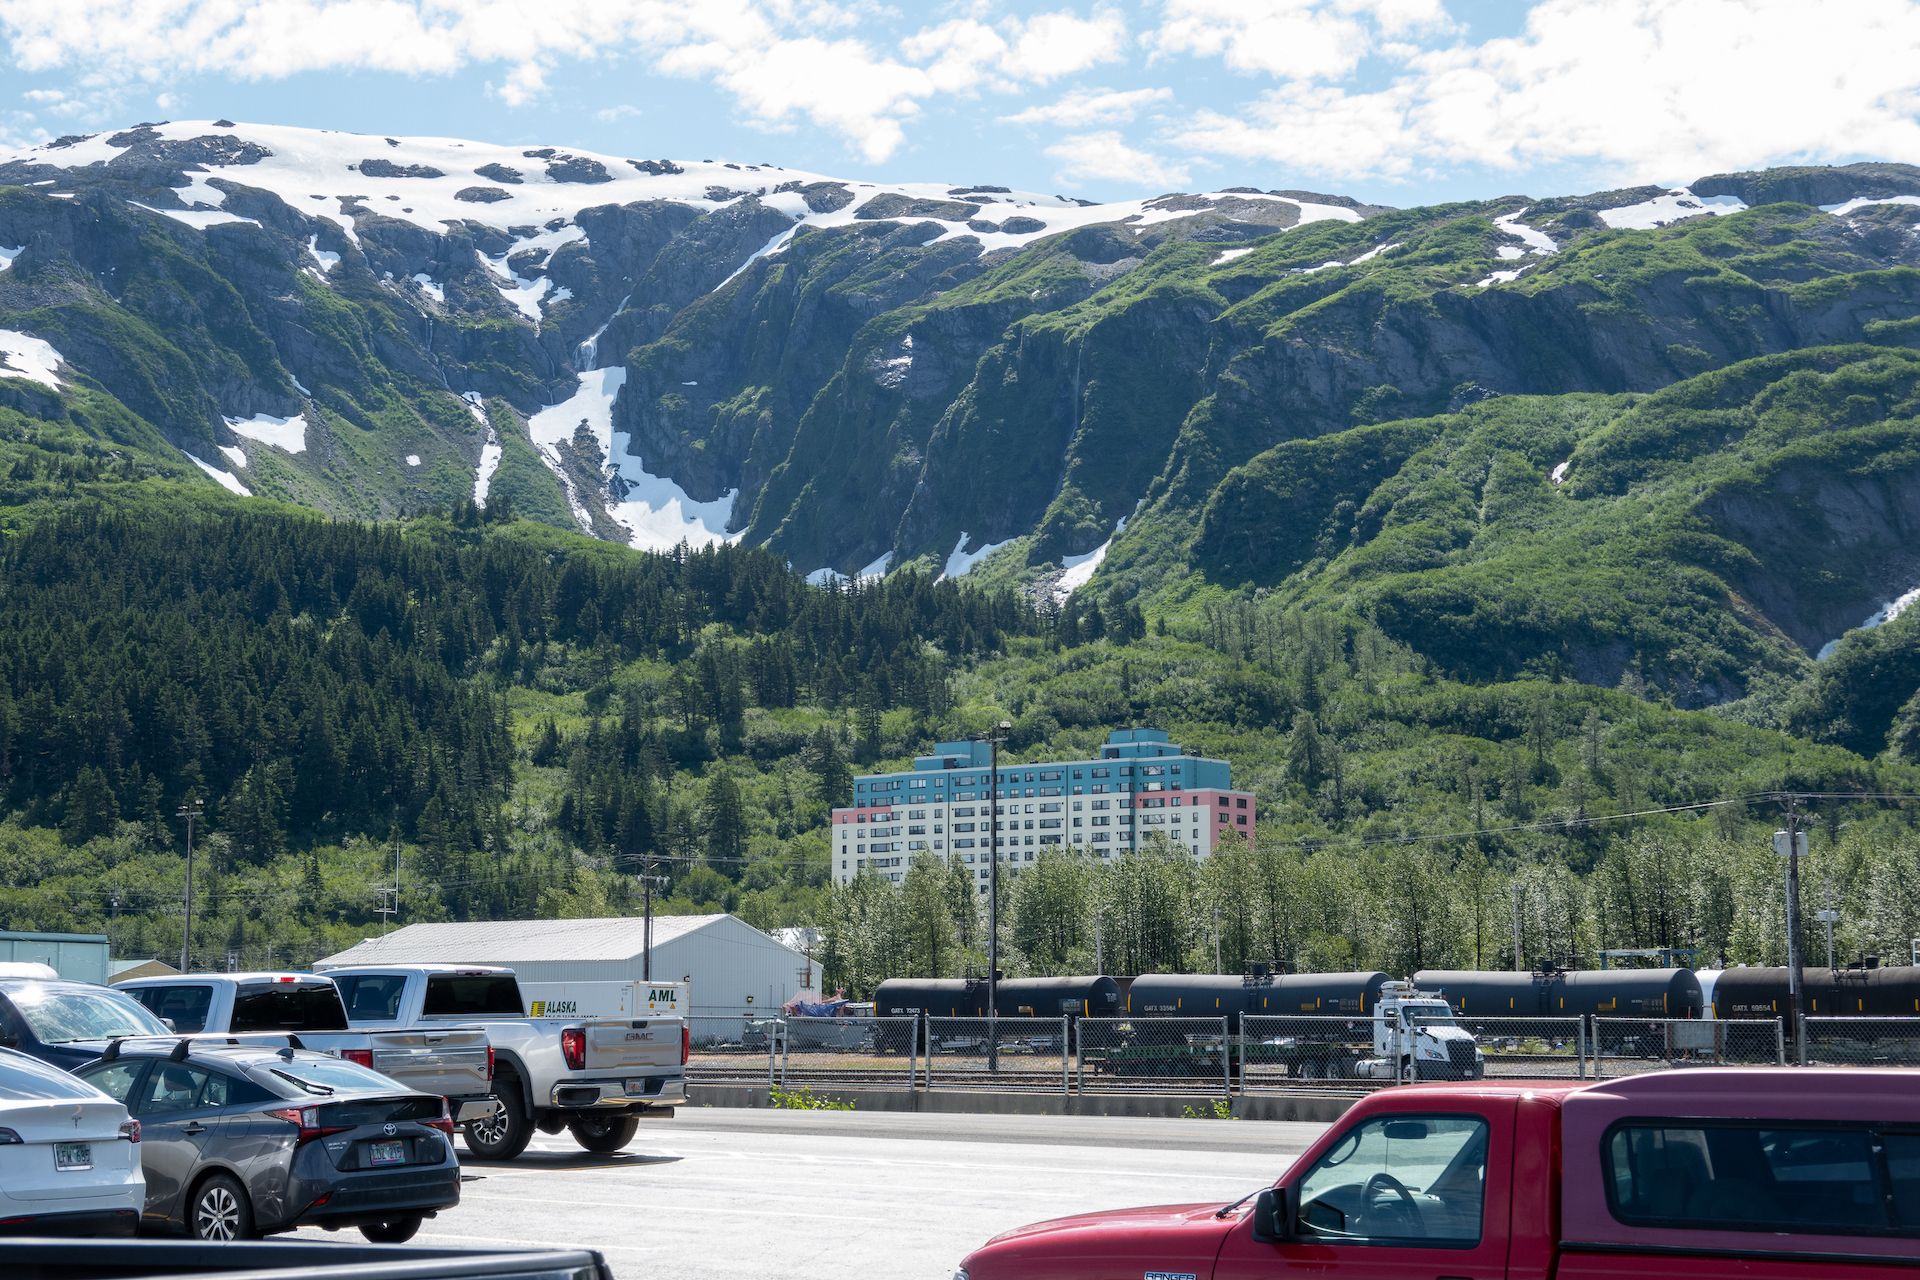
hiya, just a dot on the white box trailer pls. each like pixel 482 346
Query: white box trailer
pixel 615 999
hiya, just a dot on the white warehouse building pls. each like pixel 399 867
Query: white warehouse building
pixel 728 965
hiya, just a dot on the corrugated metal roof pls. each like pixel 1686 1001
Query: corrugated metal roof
pixel 519 941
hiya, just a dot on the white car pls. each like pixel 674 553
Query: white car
pixel 69 1155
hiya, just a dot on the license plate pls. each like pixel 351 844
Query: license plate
pixel 636 1088
pixel 383 1153
pixel 72 1155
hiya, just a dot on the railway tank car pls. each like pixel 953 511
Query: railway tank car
pixel 1489 993
pixel 1608 993
pixel 1762 991
pixel 1205 995
pixel 935 997
pixel 1091 996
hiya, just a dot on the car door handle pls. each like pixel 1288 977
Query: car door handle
pixel 193 1127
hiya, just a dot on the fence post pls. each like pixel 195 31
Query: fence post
pixel 1226 1061
pixel 1780 1042
pixel 1580 1046
pixel 1066 1031
pixel 773 1056
pixel 1243 1054
pixel 913 1053
pixel 1080 1057
pixel 929 1026
pixel 786 1052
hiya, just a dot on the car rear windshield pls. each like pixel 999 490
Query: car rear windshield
pixel 316 1075
pixel 462 995
pixel 372 997
pixel 1765 1176
pixel 61 1015
pixel 28 1079
pixel 289 1007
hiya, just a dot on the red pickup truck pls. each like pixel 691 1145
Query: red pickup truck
pixel 1701 1175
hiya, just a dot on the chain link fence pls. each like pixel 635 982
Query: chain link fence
pixel 1630 1046
pixel 1863 1042
pixel 1154 1055
pixel 1015 1054
pixel 1296 1051
pixel 859 1052
pixel 1509 1049
pixel 731 1048
pixel 1265 1053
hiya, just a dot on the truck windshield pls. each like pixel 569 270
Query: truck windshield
pixel 289 1006
pixel 1434 1014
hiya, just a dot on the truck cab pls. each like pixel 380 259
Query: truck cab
pixel 1695 1174
pixel 1416 1038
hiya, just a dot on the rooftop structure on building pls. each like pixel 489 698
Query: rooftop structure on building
pixel 1141 783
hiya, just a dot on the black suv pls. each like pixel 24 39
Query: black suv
pixel 242 1139
pixel 68 1023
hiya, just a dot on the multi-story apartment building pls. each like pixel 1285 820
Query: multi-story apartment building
pixel 1141 784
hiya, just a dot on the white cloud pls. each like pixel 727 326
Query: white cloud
pixel 615 114
pixel 1084 107
pixel 1293 39
pixel 785 62
pixel 44 97
pixel 1637 89
pixel 1108 157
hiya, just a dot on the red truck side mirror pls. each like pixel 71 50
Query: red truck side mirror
pixel 1272 1220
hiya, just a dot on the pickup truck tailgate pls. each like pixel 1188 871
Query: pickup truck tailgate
pixel 451 1063
pixel 640 1045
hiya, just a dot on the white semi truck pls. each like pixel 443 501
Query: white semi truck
pixel 1414 1037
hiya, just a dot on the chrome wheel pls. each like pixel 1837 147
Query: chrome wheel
pixel 493 1130
pixel 216 1215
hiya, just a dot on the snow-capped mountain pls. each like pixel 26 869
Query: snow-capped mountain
pixel 862 376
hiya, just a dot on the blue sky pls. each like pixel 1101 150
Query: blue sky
pixel 1397 101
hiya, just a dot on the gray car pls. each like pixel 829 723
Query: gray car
pixel 244 1139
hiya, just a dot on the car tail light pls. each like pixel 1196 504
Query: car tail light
pixel 573 1047
pixel 444 1122
pixel 130 1130
pixel 364 1057
pixel 686 1044
pixel 489 1062
pixel 307 1121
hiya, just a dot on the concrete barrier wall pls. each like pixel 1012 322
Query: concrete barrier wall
pixel 1316 1108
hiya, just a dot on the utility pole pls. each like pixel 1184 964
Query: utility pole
pixel 994 738
pixel 1216 938
pixel 1790 844
pixel 1829 918
pixel 190 810
pixel 647 882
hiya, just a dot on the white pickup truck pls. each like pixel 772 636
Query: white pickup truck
pixel 595 1077
pixel 455 1062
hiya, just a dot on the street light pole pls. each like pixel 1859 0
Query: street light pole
pixel 994 739
pixel 1789 844
pixel 190 810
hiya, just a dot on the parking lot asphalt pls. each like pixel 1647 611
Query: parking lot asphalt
pixel 804 1194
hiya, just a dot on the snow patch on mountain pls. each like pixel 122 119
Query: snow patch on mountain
pixel 1865 202
pixel 24 356
pixel 1228 255
pixel 413 459
pixel 430 287
pixel 287 434
pixel 1559 475
pixel 1077 571
pixel 489 463
pixel 1500 277
pixel 657 514
pixel 8 255
pixel 960 560
pixel 327 259
pixel 1536 240
pixel 225 479
pixel 1675 205
pixel 1879 617
pixel 199 219
pixel 235 454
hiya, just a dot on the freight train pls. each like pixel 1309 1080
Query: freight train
pixel 1745 992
